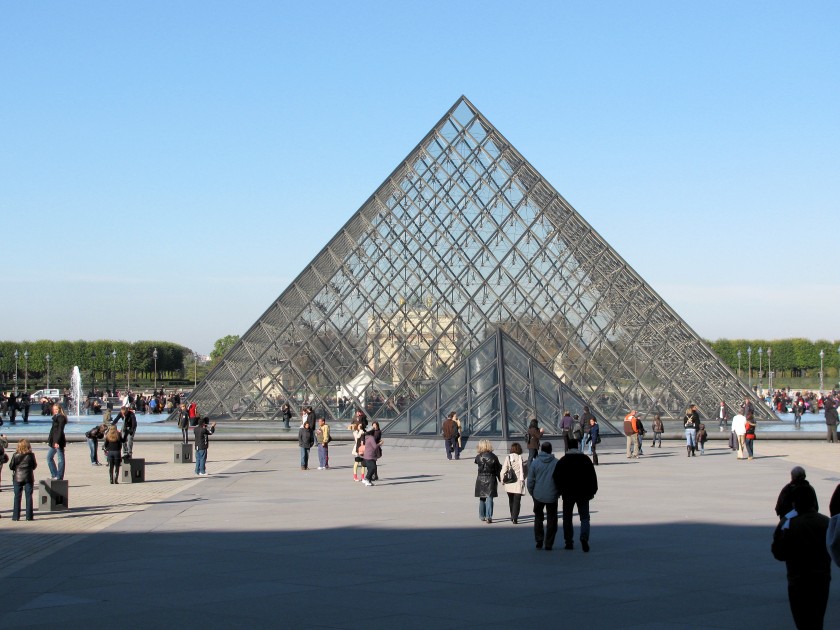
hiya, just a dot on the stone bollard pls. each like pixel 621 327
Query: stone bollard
pixel 183 453
pixel 53 495
pixel 134 471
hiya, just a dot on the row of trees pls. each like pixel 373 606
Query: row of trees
pixel 91 355
pixel 786 357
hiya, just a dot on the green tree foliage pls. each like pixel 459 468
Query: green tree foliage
pixel 89 355
pixel 786 355
pixel 221 347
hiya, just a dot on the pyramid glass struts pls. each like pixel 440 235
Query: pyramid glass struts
pixel 465 237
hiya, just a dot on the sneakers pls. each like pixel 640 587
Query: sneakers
pixel 320 468
pixel 355 477
pixel 366 482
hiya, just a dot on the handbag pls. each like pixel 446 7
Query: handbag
pixel 510 474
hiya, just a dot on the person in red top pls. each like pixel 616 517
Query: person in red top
pixel 631 431
pixel 192 412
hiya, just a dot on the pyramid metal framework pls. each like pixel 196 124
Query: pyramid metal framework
pixel 496 391
pixel 463 238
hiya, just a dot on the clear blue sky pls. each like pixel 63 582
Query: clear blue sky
pixel 167 168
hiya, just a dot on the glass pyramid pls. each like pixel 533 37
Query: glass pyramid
pixel 496 391
pixel 463 238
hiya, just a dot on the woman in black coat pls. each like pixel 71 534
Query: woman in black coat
pixel 23 464
pixel 487 481
pixel 113 444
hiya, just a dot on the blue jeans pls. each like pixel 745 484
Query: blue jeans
pixel 323 455
pixel 485 508
pixel 94 454
pixel 583 514
pixel 27 489
pixel 55 473
pixel 304 457
pixel 691 438
pixel 201 461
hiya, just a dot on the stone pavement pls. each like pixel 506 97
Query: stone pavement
pixel 676 542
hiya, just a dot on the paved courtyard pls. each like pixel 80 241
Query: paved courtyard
pixel 676 542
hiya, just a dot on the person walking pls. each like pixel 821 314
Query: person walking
pixel 723 414
pixel 543 490
pixel 370 457
pixel 784 503
pixel 534 436
pixel 595 438
pixel 586 424
pixel 358 449
pixel 658 429
pixel 202 435
pixel 749 436
pixel 57 441
pixel 113 446
pixel 576 481
pixel 566 427
pixel 322 435
pixel 631 431
pixel 800 542
pixel 513 477
pixel 487 478
pixel 23 465
pixel 691 421
pixel 449 430
pixel 702 436
pixel 739 428
pixel 831 419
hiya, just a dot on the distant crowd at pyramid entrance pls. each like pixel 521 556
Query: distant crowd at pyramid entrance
pixel 465 239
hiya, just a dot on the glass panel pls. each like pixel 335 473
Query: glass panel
pixel 483 356
pixel 486 417
pixel 483 382
pixel 515 359
pixel 455 381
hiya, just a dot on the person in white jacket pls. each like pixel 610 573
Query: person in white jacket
pixel 739 428
pixel 515 489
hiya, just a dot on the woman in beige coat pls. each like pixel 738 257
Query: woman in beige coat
pixel 515 489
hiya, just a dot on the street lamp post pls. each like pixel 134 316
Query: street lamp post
pixel 154 356
pixel 25 370
pixel 822 356
pixel 128 375
pixel 749 364
pixel 93 368
pixel 760 368
pixel 3 369
pixel 739 364
pixel 48 357
pixel 17 354
pixel 770 369
pixel 114 372
pixel 195 369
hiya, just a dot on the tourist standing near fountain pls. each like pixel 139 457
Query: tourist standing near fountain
pixel 57 442
pixel 113 442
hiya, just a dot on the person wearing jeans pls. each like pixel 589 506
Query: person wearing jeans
pixel 305 441
pixel 323 434
pixel 57 442
pixel 576 481
pixel 543 490
pixel 202 442
pixel 23 465
pixel 93 436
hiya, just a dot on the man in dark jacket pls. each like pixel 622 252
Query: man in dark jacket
pixel 784 503
pixel 830 418
pixel 202 434
pixel 799 541
pixel 577 483
pixel 129 428
pixel 449 428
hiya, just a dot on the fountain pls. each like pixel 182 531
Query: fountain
pixel 76 392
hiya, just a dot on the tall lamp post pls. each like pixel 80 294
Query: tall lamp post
pixel 93 368
pixel 17 354
pixel 749 364
pixel 114 372
pixel 128 375
pixel 3 370
pixel 195 369
pixel 770 369
pixel 47 358
pixel 739 364
pixel 26 370
pixel 822 356
pixel 760 368
pixel 154 356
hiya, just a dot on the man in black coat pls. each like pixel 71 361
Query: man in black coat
pixel 577 483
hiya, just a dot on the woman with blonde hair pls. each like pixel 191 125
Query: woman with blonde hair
pixel 23 464
pixel 113 444
pixel 486 483
pixel 513 474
